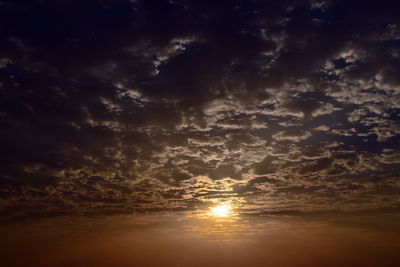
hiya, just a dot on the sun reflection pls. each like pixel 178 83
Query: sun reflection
pixel 222 210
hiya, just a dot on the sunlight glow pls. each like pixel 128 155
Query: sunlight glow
pixel 222 210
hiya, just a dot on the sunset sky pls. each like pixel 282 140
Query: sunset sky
pixel 199 133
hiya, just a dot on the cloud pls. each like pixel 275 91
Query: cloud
pixel 294 135
pixel 134 106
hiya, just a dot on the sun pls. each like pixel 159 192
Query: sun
pixel 222 210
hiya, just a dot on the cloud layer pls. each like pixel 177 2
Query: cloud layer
pixel 136 106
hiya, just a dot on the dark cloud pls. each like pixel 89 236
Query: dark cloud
pixel 128 106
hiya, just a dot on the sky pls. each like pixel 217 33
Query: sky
pixel 130 121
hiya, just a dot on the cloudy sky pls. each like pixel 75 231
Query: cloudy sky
pixel 158 108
